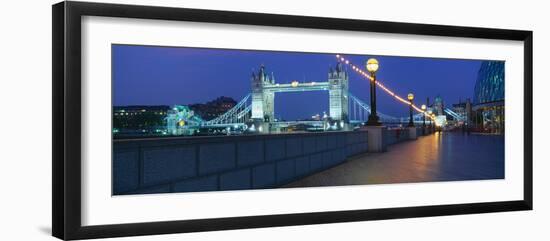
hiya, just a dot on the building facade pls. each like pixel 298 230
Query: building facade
pixel 462 109
pixel 488 107
pixel 139 120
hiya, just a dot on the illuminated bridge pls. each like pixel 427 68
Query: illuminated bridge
pixel 255 112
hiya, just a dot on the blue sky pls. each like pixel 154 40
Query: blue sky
pixel 150 75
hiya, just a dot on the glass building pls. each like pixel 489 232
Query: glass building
pixel 488 106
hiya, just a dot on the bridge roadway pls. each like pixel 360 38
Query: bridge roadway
pixel 446 156
pixel 313 123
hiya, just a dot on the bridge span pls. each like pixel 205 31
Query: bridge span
pixel 255 112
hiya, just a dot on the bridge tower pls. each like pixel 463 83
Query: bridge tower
pixel 263 101
pixel 438 106
pixel 338 93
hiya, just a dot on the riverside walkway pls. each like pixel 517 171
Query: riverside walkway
pixel 445 156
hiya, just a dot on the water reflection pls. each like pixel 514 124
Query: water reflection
pixel 444 156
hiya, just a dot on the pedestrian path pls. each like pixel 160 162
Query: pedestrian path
pixel 442 156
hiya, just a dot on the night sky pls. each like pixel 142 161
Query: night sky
pixel 145 75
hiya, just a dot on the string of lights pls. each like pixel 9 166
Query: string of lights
pixel 379 84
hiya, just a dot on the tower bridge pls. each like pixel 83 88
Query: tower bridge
pixel 256 110
pixel 264 89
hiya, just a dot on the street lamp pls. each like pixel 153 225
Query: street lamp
pixel 423 107
pixel 410 96
pixel 372 66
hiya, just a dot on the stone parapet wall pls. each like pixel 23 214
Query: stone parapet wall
pixel 179 164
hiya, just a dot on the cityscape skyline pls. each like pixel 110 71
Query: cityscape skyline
pixel 151 75
pixel 179 92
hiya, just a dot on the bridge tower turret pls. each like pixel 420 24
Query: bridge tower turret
pixel 438 105
pixel 338 93
pixel 263 101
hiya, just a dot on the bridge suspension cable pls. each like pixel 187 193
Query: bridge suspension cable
pixel 360 110
pixel 238 114
pixel 455 115
pixel 379 84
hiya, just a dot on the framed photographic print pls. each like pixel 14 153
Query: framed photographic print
pixel 170 120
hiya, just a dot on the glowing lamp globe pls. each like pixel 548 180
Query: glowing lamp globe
pixel 423 107
pixel 372 65
pixel 410 97
pixel 294 83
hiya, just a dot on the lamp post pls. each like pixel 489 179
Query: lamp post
pixel 410 97
pixel 372 66
pixel 423 107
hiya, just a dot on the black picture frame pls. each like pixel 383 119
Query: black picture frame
pixel 66 128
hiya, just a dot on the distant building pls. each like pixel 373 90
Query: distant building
pixel 464 110
pixel 460 107
pixel 214 108
pixel 139 119
pixel 488 106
